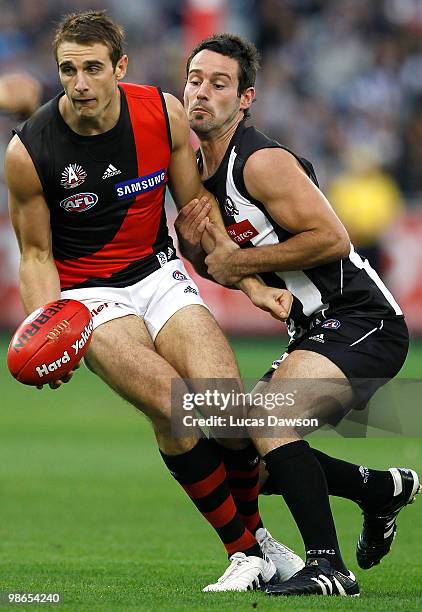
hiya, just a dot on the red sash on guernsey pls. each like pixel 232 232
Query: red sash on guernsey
pixel 138 232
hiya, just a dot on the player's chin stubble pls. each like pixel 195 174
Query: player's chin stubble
pixel 201 125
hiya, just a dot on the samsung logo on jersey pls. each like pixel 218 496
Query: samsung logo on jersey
pixel 141 184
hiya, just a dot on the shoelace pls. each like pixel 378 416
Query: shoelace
pixel 314 570
pixel 308 570
pixel 236 560
pixel 269 544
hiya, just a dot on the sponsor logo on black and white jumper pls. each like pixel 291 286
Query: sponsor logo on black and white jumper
pixel 79 202
pixel 242 232
pixel 72 176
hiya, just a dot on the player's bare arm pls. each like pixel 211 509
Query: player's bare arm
pixel 185 186
pixel 190 225
pixel 38 278
pixel 274 177
pixel 184 182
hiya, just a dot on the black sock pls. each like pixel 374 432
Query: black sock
pixel 371 489
pixel 242 467
pixel 202 474
pixel 297 475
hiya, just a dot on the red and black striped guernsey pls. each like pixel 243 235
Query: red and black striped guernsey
pixel 105 192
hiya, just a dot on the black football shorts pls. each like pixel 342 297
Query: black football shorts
pixel 368 351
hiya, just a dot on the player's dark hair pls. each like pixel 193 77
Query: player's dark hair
pixel 90 27
pixel 240 49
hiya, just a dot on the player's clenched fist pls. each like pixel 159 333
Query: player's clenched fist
pixel 278 302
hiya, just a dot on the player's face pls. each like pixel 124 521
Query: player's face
pixel 211 95
pixel 88 77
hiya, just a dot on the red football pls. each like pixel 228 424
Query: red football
pixel 50 341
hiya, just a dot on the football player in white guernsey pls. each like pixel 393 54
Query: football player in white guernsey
pixel 344 324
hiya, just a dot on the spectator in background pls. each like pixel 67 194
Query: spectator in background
pixel 349 70
pixel 19 94
pixel 409 173
pixel 367 200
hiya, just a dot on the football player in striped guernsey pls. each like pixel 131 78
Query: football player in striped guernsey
pixel 344 324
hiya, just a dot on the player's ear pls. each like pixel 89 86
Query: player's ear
pixel 121 67
pixel 246 98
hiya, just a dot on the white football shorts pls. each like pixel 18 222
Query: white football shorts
pixel 154 299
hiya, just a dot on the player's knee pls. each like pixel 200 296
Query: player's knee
pixel 161 420
pixel 255 411
pixel 234 443
pixel 174 446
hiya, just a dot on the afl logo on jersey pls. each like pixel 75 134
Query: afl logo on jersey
pixel 79 202
pixel 72 176
pixel 331 324
pixel 230 207
pixel 177 275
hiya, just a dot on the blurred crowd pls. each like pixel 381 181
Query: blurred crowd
pixel 345 75
pixel 341 80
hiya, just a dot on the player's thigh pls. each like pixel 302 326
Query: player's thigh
pixel 308 364
pixel 306 392
pixel 123 355
pixel 196 347
pixel 194 344
pixel 319 383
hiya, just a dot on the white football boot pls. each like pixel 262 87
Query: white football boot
pixel 244 574
pixel 286 561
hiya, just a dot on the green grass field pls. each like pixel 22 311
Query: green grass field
pixel 88 509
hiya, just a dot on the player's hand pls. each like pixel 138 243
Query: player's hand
pixel 220 262
pixel 55 384
pixel 191 221
pixel 278 302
